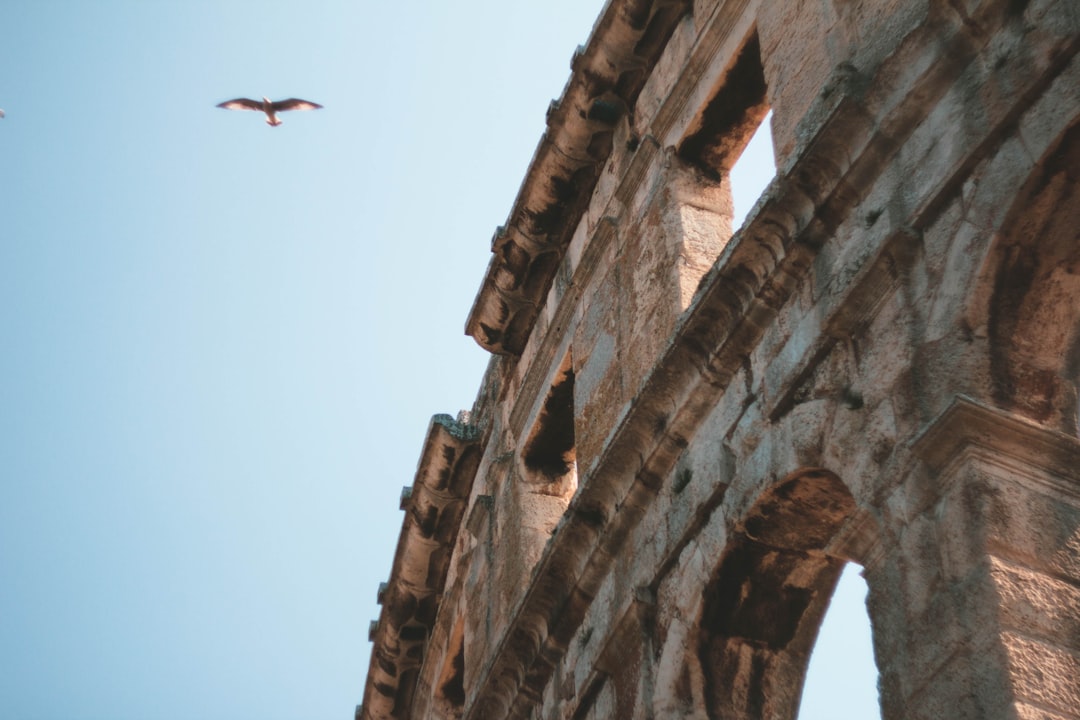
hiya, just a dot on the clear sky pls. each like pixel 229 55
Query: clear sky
pixel 223 342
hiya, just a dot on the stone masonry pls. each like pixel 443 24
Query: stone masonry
pixel 687 429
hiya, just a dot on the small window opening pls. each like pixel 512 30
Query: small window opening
pixel 752 172
pixel 731 116
pixel 732 137
pixel 452 678
pixel 841 680
pixel 550 457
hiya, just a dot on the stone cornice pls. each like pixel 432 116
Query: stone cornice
pixel 607 75
pixel 433 506
pixel 968 427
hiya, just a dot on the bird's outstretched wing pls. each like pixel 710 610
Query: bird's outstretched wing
pixel 1 113
pixel 294 104
pixel 241 104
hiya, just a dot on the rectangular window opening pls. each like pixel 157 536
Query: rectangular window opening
pixel 752 172
pixel 550 456
pixel 732 135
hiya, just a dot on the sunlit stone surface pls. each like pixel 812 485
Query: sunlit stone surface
pixel 689 427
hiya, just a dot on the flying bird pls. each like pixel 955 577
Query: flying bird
pixel 270 107
pixel 1 113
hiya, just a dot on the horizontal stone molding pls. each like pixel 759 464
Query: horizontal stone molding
pixel 410 599
pixel 970 429
pixel 608 73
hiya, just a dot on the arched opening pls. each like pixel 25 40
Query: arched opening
pixel 841 679
pixel 764 606
pixel 1034 336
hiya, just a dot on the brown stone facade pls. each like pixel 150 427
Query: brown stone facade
pixel 687 429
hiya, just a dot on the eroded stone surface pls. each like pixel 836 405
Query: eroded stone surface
pixel 687 432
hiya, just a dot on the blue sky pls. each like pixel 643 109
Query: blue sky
pixel 223 341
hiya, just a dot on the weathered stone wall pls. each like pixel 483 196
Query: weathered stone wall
pixel 685 431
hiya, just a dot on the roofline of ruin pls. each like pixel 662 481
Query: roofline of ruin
pixel 608 73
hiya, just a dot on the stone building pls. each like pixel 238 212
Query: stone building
pixel 687 429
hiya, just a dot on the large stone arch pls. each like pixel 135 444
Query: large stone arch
pixel 759 613
pixel 1034 298
pixel 764 605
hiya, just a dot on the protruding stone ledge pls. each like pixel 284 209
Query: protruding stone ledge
pixel 434 506
pixel 968 427
pixel 608 74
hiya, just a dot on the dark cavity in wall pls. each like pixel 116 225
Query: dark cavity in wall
pixel 751 598
pixel 731 116
pixel 453 685
pixel 550 451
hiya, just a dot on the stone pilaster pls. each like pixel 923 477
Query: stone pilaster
pixel 976 601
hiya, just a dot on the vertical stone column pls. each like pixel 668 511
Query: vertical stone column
pixel 696 215
pixel 668 243
pixel 976 601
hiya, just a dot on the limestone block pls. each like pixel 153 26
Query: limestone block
pixel 796 62
pixel 1037 605
pixel 969 687
pixel 1024 711
pixel 1043 674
